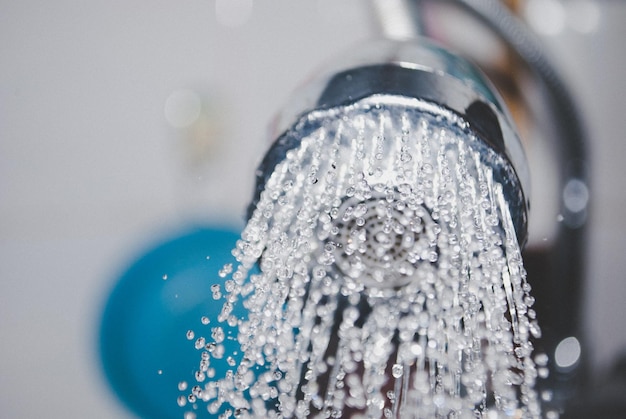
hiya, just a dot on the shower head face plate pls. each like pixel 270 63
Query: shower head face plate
pixel 383 244
pixel 391 185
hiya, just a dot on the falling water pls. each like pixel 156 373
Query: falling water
pixel 391 282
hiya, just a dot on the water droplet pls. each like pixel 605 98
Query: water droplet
pixel 217 334
pixel 547 395
pixel 200 376
pixel 226 269
pixel 541 359
pixel 200 342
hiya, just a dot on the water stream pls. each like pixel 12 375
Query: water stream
pixel 391 282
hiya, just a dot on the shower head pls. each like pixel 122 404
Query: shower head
pixel 387 224
pixel 402 116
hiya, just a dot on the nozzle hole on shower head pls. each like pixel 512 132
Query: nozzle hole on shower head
pixel 380 242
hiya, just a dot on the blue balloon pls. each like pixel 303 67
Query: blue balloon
pixel 144 345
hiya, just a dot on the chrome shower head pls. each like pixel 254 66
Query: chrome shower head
pixel 387 224
pixel 405 106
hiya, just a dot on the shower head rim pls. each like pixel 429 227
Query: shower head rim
pixel 505 172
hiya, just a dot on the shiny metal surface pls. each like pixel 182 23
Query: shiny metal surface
pixel 429 73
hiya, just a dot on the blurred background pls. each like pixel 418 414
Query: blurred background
pixel 123 123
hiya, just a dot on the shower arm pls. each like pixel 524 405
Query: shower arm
pixel 402 19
